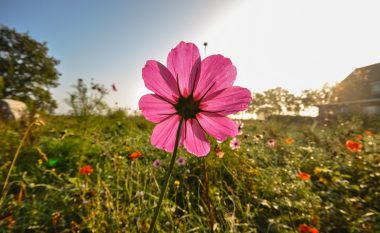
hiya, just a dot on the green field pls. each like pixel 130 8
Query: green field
pixel 255 188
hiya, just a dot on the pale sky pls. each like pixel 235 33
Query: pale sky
pixel 295 44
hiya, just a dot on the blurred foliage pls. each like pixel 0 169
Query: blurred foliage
pixel 255 188
pixel 279 101
pixel 27 69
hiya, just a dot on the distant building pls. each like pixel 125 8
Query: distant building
pixel 358 94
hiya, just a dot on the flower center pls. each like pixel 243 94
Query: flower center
pixel 187 107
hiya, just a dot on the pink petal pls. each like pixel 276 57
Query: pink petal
pixel 217 73
pixel 158 79
pixel 184 62
pixel 195 140
pixel 155 108
pixel 227 101
pixel 218 126
pixel 164 133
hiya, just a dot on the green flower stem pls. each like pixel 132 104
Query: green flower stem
pixel 167 178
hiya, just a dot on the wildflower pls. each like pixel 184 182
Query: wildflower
pixel 271 143
pixel 140 193
pixel 323 180
pixel 218 152
pixel 368 133
pixel 235 144
pixel 176 183
pixel 313 230
pixel 304 176
pixel 289 141
pixel 86 169
pixel 181 161
pixel 39 122
pixel 353 146
pixel 317 170
pixel 56 217
pixel 135 155
pixel 11 222
pixel 114 87
pixel 359 137
pixel 135 219
pixel 240 126
pixel 157 163
pixel 304 228
pixel 198 92
pixel 75 227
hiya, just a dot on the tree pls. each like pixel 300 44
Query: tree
pixel 277 101
pixel 28 71
pixel 325 95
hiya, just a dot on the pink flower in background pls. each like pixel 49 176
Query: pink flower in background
pixel 240 126
pixel 181 161
pixel 271 143
pixel 235 144
pixel 200 92
pixel 157 163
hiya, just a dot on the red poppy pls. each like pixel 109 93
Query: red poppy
pixel 353 146
pixel 86 169
pixel 304 176
pixel 313 230
pixel 359 136
pixel 304 228
pixel 135 155
pixel 289 141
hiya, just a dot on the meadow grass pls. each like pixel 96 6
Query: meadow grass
pixel 255 188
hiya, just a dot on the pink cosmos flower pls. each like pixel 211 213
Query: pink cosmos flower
pixel 271 143
pixel 200 92
pixel 181 161
pixel 157 163
pixel 235 144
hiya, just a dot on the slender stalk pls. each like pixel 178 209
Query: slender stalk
pixel 206 191
pixel 4 192
pixel 167 178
